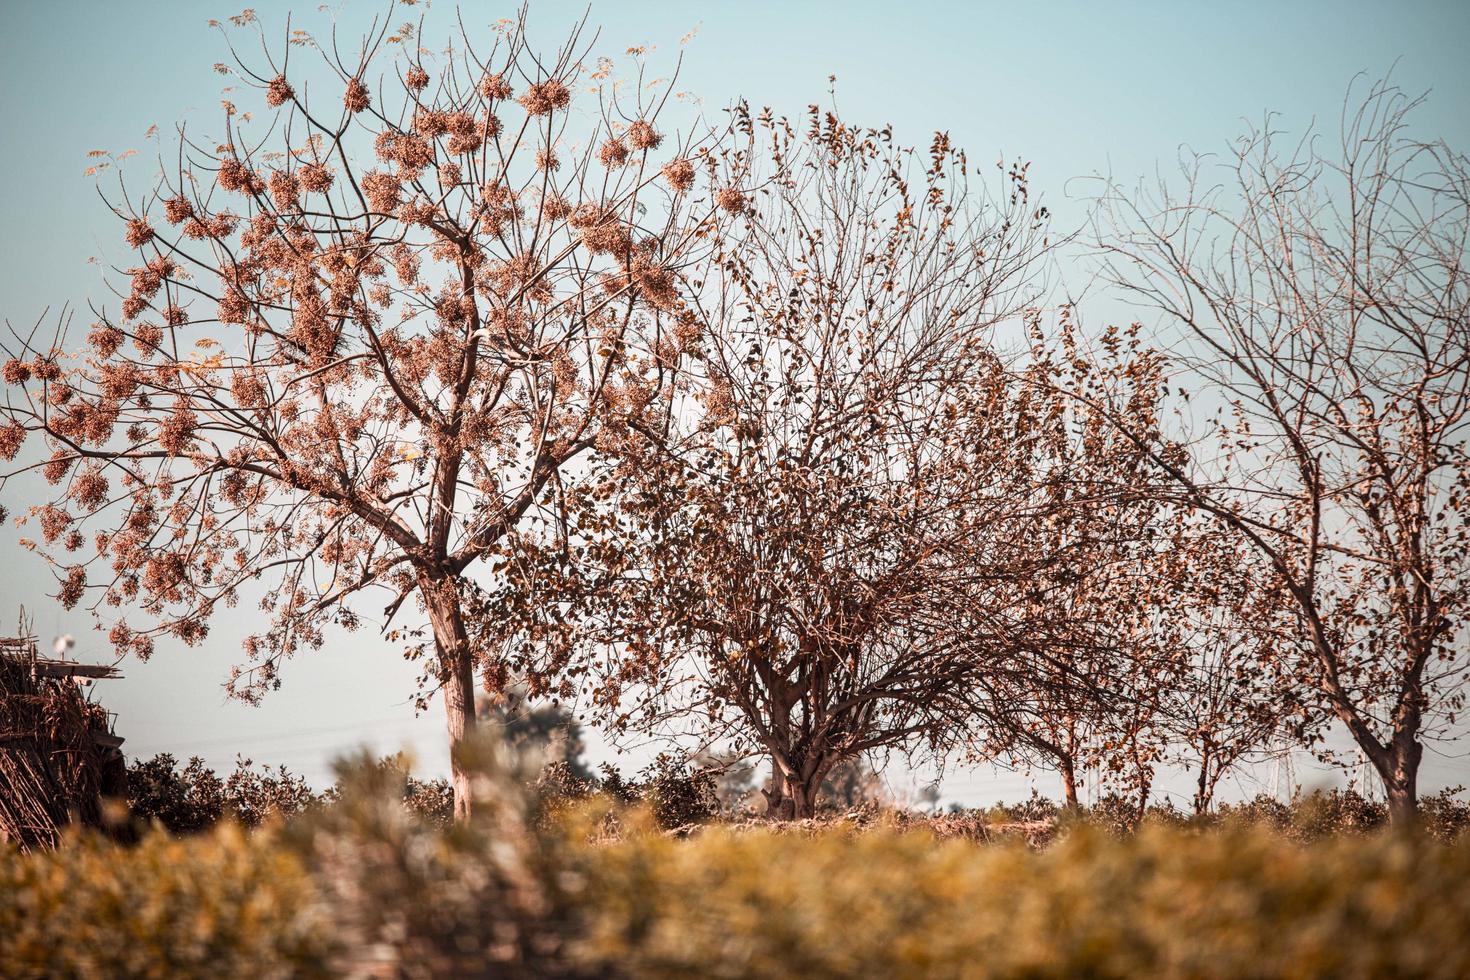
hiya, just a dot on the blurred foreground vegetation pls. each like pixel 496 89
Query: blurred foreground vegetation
pixel 544 884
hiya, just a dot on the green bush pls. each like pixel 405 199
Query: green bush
pixel 183 801
pixel 1444 816
pixel 676 795
pixel 188 800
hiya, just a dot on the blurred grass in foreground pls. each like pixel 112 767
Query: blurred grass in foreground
pixel 368 887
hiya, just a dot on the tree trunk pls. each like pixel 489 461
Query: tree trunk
pixel 788 798
pixel 1397 764
pixel 1400 778
pixel 802 800
pixel 456 678
pixel 778 806
pixel 1068 769
pixel 1204 790
pixel 1145 787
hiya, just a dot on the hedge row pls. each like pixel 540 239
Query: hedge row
pixel 368 887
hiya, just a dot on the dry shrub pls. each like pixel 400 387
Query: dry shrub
pixel 213 905
pixel 370 885
pixel 1239 902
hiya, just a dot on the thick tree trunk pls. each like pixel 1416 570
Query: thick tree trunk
pixel 1397 763
pixel 789 797
pixel 801 801
pixel 1400 775
pixel 1068 769
pixel 456 678
pixel 778 807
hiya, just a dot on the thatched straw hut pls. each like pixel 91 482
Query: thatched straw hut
pixel 59 758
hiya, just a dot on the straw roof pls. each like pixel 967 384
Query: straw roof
pixel 58 756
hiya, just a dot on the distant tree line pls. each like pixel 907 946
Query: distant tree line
pixel 769 436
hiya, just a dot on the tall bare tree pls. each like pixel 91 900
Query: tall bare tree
pixel 361 336
pixel 787 533
pixel 1099 645
pixel 1324 296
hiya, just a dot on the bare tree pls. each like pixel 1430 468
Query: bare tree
pixel 1324 298
pixel 361 337
pixel 1231 700
pixel 1099 646
pixel 786 534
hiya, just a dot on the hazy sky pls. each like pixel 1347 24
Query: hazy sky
pixel 1077 88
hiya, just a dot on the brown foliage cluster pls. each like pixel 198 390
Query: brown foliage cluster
pixel 359 339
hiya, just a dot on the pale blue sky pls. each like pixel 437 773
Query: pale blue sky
pixel 1077 88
